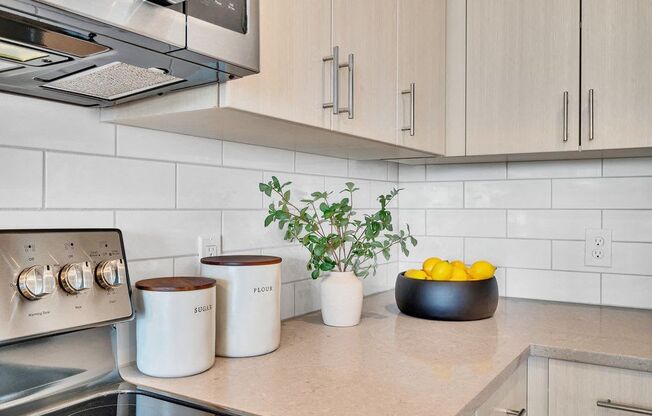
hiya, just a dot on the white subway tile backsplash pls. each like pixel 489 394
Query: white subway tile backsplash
pixel 321 165
pixel 450 248
pixel 56 219
pixel 627 258
pixel 553 285
pixel 154 144
pixel 216 187
pixel 411 173
pixel 629 225
pixel 635 166
pixel 466 223
pixel 466 172
pixel 21 178
pixel 606 193
pixel 187 266
pixel 555 169
pixel 551 224
pixel 383 188
pixel 79 181
pixel 149 234
pixel 362 198
pixel 375 283
pixel 627 291
pixel 307 296
pixel 302 185
pixel 257 157
pixel 294 264
pixel 415 218
pixel 287 301
pixel 244 230
pixel 500 276
pixel 503 252
pixel 151 186
pixel 431 195
pixel 392 171
pixel 368 169
pixel 27 122
pixel 148 269
pixel 507 194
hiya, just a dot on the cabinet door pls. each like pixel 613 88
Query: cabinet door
pixel 422 62
pixel 292 84
pixel 367 29
pixel 617 66
pixel 511 395
pixel 575 389
pixel 522 55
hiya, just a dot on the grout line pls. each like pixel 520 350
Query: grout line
pixel 115 140
pixel 176 185
pixel 44 181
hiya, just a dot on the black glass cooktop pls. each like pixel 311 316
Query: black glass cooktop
pixel 132 404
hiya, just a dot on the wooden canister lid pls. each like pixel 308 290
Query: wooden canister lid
pixel 241 260
pixel 175 284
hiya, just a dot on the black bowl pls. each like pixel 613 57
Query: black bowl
pixel 446 300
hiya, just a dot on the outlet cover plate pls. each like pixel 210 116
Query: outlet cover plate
pixel 597 247
pixel 209 245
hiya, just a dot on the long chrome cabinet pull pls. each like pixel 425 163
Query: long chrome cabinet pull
pixel 625 408
pixel 511 412
pixel 591 115
pixel 335 80
pixel 410 91
pixel 351 68
pixel 565 116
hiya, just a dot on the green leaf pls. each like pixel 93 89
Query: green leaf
pixel 268 220
pixel 315 274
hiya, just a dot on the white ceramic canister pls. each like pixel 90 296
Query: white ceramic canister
pixel 175 326
pixel 248 311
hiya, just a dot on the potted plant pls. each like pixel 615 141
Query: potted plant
pixel 339 241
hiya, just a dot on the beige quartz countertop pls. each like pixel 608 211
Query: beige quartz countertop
pixel 393 364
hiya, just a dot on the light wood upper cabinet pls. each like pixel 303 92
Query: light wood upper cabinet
pixel 522 55
pixel 367 29
pixel 617 66
pixel 575 389
pixel 292 84
pixel 422 62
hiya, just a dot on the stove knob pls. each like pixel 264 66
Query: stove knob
pixel 76 277
pixel 36 282
pixel 111 273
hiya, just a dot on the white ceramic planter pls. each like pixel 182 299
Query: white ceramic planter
pixel 341 299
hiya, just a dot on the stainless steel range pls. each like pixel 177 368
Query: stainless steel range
pixel 61 292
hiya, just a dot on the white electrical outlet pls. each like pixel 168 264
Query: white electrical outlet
pixel 598 247
pixel 209 245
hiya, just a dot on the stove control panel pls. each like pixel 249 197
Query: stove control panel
pixel 55 281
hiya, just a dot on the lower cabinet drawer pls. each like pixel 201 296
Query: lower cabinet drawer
pixel 577 389
pixel 511 396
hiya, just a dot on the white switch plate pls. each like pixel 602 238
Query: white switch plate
pixel 209 245
pixel 597 247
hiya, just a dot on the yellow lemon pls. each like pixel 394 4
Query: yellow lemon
pixel 459 275
pixel 415 274
pixel 482 270
pixel 430 263
pixel 458 264
pixel 442 271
